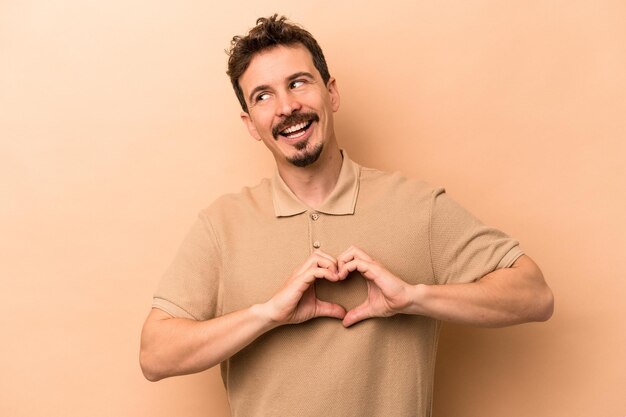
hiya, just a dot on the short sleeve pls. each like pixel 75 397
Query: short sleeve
pixel 190 287
pixel 462 248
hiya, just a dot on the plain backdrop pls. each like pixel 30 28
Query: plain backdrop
pixel 118 124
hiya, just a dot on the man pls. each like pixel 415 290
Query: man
pixel 321 291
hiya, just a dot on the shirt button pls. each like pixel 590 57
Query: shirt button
pixel 315 216
pixel 317 244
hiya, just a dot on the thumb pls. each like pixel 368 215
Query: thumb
pixel 326 309
pixel 358 313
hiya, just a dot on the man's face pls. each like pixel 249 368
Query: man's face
pixel 290 108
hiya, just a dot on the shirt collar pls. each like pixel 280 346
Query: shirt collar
pixel 341 201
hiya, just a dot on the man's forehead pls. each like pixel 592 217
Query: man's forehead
pixel 276 64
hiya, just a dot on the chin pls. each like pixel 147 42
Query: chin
pixel 306 157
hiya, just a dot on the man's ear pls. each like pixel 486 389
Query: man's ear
pixel 333 91
pixel 247 120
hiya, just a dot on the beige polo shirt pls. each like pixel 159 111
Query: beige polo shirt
pixel 244 246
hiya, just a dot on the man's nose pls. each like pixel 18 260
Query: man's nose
pixel 288 104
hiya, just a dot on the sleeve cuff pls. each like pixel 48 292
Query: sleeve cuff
pixel 171 308
pixel 510 257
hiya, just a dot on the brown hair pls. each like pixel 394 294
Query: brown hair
pixel 269 32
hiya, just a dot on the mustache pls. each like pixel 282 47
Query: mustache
pixel 294 119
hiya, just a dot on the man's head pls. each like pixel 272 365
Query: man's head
pixel 288 98
pixel 268 33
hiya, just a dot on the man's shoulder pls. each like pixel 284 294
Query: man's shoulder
pixel 247 200
pixel 396 184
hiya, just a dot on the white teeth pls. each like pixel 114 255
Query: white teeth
pixel 296 135
pixel 294 128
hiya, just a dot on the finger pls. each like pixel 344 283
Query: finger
pixel 308 277
pixel 366 268
pixel 355 252
pixel 326 309
pixel 357 314
pixel 326 261
pixel 325 273
pixel 317 258
pixel 346 256
pixel 323 254
pixel 352 253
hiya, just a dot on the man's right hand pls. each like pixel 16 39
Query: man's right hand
pixel 177 346
pixel 296 301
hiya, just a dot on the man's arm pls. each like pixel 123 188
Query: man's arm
pixel 177 346
pixel 501 298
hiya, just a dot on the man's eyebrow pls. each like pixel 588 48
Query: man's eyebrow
pixel 255 89
pixel 290 78
pixel 300 74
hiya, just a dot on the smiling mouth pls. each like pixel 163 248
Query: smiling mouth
pixel 295 125
pixel 296 131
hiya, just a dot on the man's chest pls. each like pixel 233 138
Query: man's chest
pixel 260 254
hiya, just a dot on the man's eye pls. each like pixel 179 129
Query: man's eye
pixel 262 96
pixel 296 84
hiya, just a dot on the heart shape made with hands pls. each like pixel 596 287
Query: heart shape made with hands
pixel 348 293
pixel 381 294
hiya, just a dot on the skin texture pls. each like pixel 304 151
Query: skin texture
pixel 291 84
pixel 279 83
pixel 504 297
pixel 177 346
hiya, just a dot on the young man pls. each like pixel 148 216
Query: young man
pixel 321 290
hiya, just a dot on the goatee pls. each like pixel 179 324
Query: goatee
pixel 307 157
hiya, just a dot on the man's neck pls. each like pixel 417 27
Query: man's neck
pixel 314 183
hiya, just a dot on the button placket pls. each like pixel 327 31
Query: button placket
pixel 314 218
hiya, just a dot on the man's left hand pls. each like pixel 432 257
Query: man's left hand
pixel 386 293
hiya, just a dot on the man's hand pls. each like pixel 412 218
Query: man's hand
pixel 504 297
pixel 296 302
pixel 177 346
pixel 386 293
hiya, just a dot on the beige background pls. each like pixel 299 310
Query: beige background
pixel 118 124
